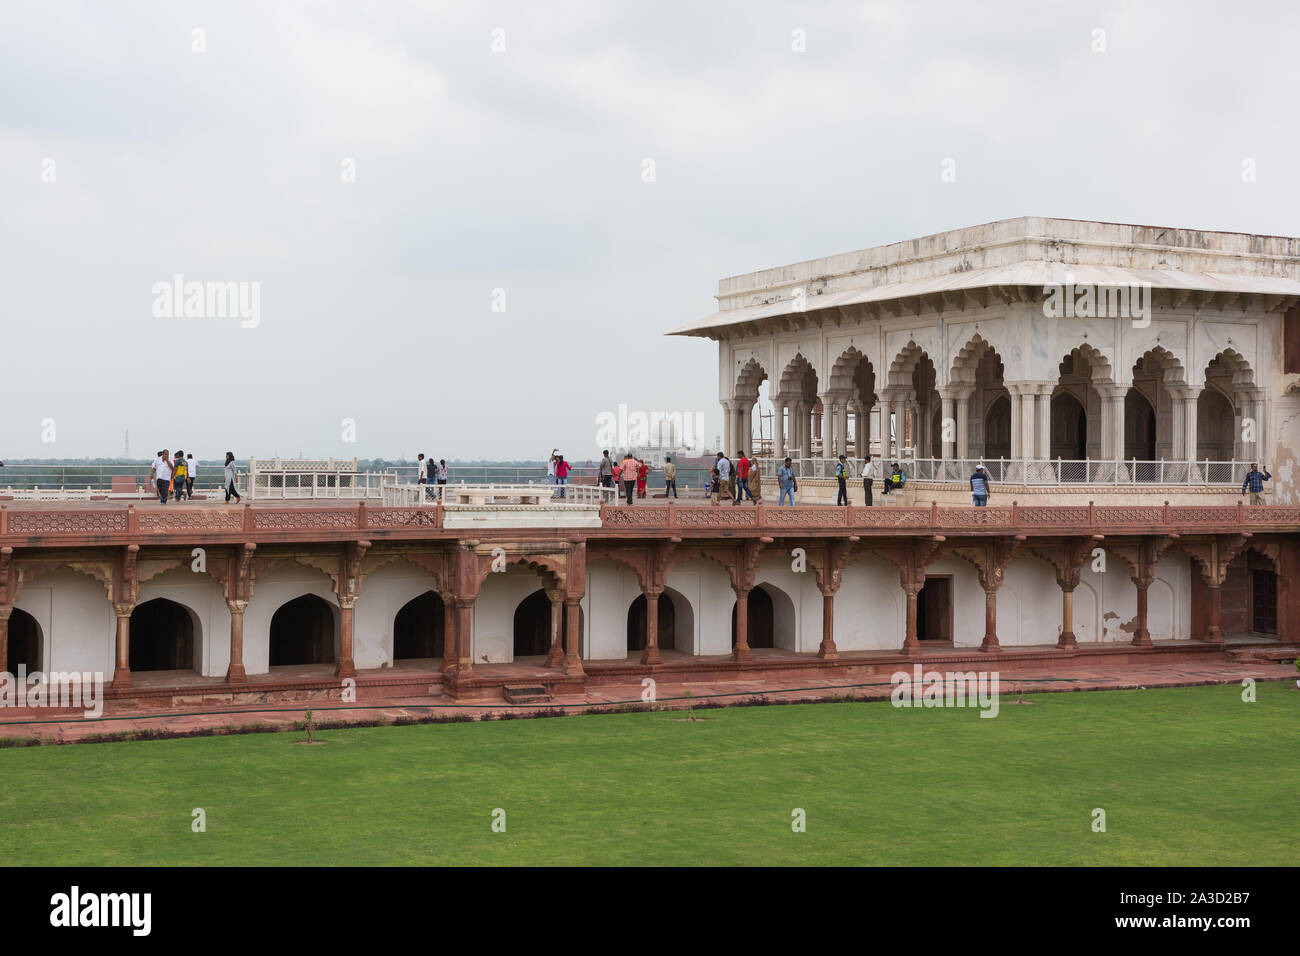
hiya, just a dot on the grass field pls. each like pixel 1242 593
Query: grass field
pixel 1189 776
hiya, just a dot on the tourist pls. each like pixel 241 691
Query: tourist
pixel 1255 483
pixel 742 478
pixel 979 487
pixel 419 469
pixel 606 471
pixel 190 470
pixel 442 471
pixel 842 479
pixel 724 469
pixel 162 475
pixel 866 480
pixel 228 478
pixel 179 474
pixel 627 472
pixel 550 467
pixel 431 476
pixel 755 481
pixel 561 474
pixel 785 478
pixel 670 476
pixel 896 478
pixel 715 487
pixel 642 473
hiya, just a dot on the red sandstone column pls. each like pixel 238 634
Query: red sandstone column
pixel 573 657
pixel 235 672
pixel 1067 638
pixel 4 638
pixel 1215 635
pixel 911 643
pixel 828 650
pixel 555 656
pixel 464 637
pixel 990 642
pixel 741 651
pixel 122 672
pixel 345 666
pixel 448 634
pixel 651 653
pixel 1141 636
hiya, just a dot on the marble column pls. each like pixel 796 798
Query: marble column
pixel 947 424
pixel 963 425
pixel 778 429
pixel 235 673
pixel 1043 421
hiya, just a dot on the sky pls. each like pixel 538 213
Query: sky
pixel 470 224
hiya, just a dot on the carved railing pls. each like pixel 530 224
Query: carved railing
pixel 27 527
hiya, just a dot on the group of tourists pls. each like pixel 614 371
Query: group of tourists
pixel 737 480
pixel 175 476
pixel 631 474
pixel 430 472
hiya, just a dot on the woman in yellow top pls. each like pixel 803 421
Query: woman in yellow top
pixel 179 473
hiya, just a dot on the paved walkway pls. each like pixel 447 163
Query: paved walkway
pixel 1075 675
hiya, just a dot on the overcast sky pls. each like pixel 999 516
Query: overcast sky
pixel 523 170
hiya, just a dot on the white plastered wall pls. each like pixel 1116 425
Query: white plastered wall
pixel 386 591
pixel 203 597
pixel 272 590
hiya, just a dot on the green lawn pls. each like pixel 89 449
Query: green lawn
pixel 1189 776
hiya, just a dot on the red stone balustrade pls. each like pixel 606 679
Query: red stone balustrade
pixel 64 527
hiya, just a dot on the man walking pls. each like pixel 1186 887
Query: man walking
pixel 606 471
pixel 979 487
pixel 866 480
pixel 842 478
pixel 1255 483
pixel 785 478
pixel 742 478
pixel 190 470
pixel 627 472
pixel 162 475
pixel 420 466
pixel 670 476
pixel 724 474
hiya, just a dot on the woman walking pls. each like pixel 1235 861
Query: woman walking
pixel 228 478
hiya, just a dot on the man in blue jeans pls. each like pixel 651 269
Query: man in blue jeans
pixel 979 487
pixel 785 477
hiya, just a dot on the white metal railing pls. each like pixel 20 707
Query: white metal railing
pixel 403 495
pixel 1026 471
pixel 308 484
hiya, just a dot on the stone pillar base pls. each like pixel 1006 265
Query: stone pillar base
pixel 235 674
pixel 345 668
pixel 740 653
pixel 990 645
pixel 1142 638
pixel 651 656
pixel 122 677
pixel 1067 640
pixel 573 667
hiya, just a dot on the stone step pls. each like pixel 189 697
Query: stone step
pixel 526 693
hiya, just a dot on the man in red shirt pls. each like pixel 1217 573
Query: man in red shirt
pixel 742 478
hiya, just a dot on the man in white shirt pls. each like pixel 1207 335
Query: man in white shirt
pixel 162 474
pixel 190 469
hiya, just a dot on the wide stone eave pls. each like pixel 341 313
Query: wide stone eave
pixel 1024 275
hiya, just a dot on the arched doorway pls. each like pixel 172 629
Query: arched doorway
pixel 532 625
pixel 418 628
pixel 761 619
pixel 636 624
pixel 997 429
pixel 24 648
pixel 1216 432
pixel 304 631
pixel 1139 427
pixel 1069 438
pixel 163 636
